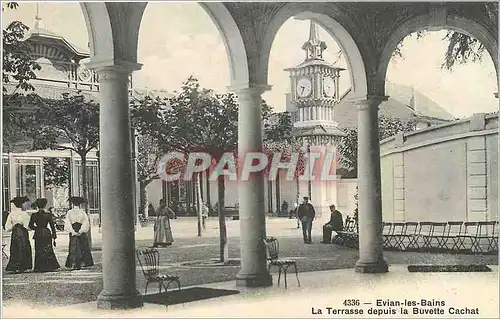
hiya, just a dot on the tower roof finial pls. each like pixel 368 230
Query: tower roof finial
pixel 314 47
pixel 37 17
pixel 313 33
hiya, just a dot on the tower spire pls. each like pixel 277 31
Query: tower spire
pixel 314 47
pixel 37 17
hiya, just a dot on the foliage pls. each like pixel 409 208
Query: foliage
pixel 348 149
pixel 147 159
pixel 279 139
pixel 192 120
pixel 72 120
pixel 144 114
pixel 56 172
pixel 17 63
pixel 388 126
pixel 398 51
pixel 281 129
pixel 461 49
pixel 18 68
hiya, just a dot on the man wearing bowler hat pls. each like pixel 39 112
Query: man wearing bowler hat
pixel 306 214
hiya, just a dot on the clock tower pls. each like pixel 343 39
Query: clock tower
pixel 314 93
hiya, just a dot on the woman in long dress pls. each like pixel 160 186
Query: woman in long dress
pixel 77 225
pixel 20 247
pixel 163 232
pixel 45 259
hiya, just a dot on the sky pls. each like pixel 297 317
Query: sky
pixel 172 47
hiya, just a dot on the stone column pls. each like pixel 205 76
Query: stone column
pixel 371 258
pixel 498 159
pixel 117 198
pixel 253 272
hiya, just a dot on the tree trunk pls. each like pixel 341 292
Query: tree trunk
pixel 188 197
pixel 143 198
pixel 297 184
pixel 224 249
pixel 209 204
pixel 278 199
pixel 85 191
pixel 193 195
pixel 199 201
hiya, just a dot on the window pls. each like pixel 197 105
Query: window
pixel 92 182
pixel 29 178
pixel 5 185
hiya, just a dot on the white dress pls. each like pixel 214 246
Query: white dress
pixel 77 224
pixel 76 215
pixel 17 216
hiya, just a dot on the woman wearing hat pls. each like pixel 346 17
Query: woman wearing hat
pixel 20 247
pixel 45 259
pixel 77 225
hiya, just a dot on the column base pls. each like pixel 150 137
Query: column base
pixel 371 268
pixel 261 280
pixel 119 301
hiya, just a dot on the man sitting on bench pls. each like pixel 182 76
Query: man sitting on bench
pixel 335 224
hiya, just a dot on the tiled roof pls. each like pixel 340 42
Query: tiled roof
pixel 398 106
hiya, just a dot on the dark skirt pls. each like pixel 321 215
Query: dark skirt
pixel 79 252
pixel 45 259
pixel 20 250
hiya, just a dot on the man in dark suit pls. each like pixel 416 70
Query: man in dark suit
pixel 306 215
pixel 336 223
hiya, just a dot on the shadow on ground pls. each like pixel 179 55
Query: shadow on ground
pixel 69 287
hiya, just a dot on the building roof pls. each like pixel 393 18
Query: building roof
pixel 397 106
pixel 317 130
pixel 44 36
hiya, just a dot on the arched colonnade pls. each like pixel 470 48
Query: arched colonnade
pixel 366 32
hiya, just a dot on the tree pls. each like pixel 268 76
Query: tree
pixel 56 172
pixel 388 126
pixel 280 139
pixel 199 120
pixel 280 130
pixel 18 68
pixel 71 123
pixel 144 114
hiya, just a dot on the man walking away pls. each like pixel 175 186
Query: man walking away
pixel 306 215
pixel 336 224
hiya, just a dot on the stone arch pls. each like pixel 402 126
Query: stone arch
pixel 356 66
pixel 436 21
pixel 232 39
pixel 110 39
pixel 99 28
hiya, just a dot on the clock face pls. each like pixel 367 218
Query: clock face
pixel 328 86
pixel 84 74
pixel 304 87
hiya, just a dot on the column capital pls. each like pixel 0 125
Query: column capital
pixel 371 101
pixel 113 66
pixel 249 88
